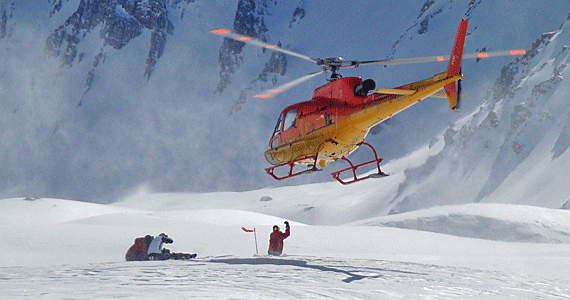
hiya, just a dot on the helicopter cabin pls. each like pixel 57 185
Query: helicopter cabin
pixel 302 119
pixel 310 117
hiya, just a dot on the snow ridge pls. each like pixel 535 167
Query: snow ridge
pixel 498 222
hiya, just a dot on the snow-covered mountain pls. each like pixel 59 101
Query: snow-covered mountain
pixel 513 147
pixel 101 97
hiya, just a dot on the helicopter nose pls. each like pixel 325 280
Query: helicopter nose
pixel 270 159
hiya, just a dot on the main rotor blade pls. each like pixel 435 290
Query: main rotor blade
pixel 272 92
pixel 253 41
pixel 479 55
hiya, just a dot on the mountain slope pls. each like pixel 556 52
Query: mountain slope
pixel 512 148
pixel 101 97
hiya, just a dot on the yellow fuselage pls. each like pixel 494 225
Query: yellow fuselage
pixel 335 122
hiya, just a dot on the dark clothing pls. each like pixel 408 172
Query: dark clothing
pixel 159 256
pixel 150 248
pixel 138 251
pixel 276 242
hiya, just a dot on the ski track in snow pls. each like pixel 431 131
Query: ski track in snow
pixel 289 277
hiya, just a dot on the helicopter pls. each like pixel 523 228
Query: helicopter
pixel 337 119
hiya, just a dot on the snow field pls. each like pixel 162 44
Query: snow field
pixel 67 249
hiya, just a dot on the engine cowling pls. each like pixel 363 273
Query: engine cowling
pixel 363 88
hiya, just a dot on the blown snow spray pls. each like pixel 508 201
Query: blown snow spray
pixel 254 236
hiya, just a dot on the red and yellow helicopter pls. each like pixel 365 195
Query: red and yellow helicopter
pixel 335 122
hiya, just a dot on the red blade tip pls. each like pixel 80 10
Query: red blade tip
pixel 518 52
pixel 220 31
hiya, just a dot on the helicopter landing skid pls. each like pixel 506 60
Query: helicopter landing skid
pixel 291 164
pixel 376 160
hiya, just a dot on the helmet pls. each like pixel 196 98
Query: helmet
pixel 275 228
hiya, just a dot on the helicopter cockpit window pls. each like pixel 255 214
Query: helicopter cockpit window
pixel 278 126
pixel 290 119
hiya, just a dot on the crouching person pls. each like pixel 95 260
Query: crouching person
pixel 139 250
pixel 156 250
pixel 152 248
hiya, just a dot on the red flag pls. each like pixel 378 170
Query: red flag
pixel 246 230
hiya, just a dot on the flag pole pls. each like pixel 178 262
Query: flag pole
pixel 255 237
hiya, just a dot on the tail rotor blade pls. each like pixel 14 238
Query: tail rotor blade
pixel 459 90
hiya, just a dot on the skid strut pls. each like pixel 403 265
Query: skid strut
pixel 291 164
pixel 376 160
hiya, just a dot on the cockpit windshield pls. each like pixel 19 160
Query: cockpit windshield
pixel 290 119
pixel 278 126
pixel 285 122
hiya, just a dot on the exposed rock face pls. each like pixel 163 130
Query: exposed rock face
pixel 428 11
pixel 120 21
pixel 5 15
pixel 249 20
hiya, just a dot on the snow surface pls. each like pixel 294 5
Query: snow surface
pixel 54 249
pixel 346 243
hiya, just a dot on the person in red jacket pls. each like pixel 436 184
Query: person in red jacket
pixel 138 251
pixel 276 240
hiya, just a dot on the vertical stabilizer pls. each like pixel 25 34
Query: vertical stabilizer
pixel 454 66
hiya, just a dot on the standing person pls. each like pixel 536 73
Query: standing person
pixel 276 240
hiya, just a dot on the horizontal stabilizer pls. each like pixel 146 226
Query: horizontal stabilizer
pixel 388 91
pixel 404 92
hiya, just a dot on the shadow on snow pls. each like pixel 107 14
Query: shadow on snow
pixel 352 276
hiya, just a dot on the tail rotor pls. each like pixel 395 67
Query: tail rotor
pixel 459 94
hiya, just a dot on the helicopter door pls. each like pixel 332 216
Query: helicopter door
pixel 289 133
pixel 287 120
